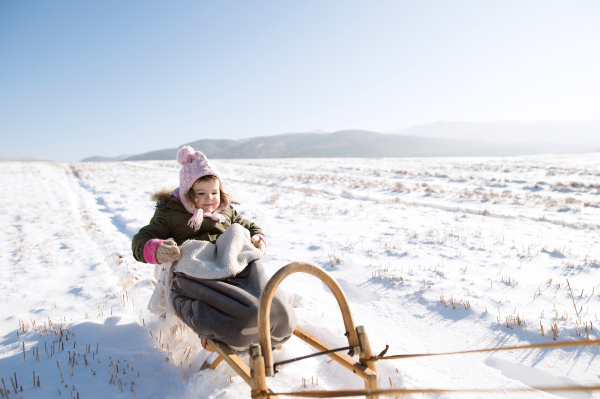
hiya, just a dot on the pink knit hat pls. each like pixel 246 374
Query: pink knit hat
pixel 195 165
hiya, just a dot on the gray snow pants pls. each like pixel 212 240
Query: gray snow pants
pixel 227 310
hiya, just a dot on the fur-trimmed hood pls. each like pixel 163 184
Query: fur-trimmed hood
pixel 162 194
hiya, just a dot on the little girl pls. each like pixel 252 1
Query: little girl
pixel 199 209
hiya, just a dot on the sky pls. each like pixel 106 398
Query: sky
pixel 106 78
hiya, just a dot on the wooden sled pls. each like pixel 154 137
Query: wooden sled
pixel 261 356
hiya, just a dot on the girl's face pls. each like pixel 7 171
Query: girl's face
pixel 207 194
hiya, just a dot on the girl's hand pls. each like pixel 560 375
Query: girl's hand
pixel 258 242
pixel 168 251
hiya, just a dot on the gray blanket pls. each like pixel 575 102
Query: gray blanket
pixel 227 309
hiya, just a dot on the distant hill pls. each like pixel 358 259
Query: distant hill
pixel 208 147
pixel 353 143
pixel 576 133
pixel 106 159
pixel 360 143
pixel 169 153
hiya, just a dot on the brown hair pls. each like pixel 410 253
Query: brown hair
pixel 190 196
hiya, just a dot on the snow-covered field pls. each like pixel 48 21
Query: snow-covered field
pixel 434 254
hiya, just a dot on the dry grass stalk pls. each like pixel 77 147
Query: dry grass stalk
pixel 572 298
pixel 61 377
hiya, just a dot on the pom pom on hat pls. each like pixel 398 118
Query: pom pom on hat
pixel 186 155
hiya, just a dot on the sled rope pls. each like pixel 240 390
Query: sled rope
pixel 560 344
pixel 261 394
pixel 309 356
pixel 365 392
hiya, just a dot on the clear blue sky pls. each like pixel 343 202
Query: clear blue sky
pixel 82 78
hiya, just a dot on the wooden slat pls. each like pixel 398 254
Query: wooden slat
pixel 259 382
pixel 362 371
pixel 219 359
pixel 365 358
pixel 259 386
pixel 232 360
pixel 212 365
pixel 216 363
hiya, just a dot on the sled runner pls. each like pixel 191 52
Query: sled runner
pixel 261 356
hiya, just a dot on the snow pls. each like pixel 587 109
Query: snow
pixel 434 254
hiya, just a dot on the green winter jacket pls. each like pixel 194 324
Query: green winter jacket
pixel 170 220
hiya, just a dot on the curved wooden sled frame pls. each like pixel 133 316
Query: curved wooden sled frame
pixel 261 356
